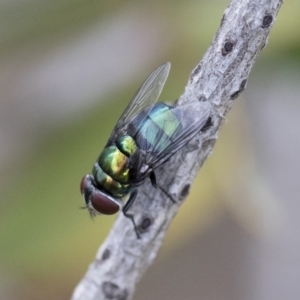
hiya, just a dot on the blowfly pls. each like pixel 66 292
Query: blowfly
pixel 146 135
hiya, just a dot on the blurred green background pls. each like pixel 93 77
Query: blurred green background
pixel 67 70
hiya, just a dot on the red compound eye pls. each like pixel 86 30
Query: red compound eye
pixel 103 204
pixel 100 201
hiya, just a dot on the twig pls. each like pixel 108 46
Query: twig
pixel 219 78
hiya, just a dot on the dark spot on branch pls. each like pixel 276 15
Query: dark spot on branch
pixel 202 98
pixel 111 290
pixel 267 20
pixel 243 85
pixel 237 93
pixel 145 224
pixel 185 191
pixel 207 125
pixel 196 71
pixel 227 48
pixel 106 254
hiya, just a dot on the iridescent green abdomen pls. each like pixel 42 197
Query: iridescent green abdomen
pixel 111 171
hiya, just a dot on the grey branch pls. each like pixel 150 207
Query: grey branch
pixel 219 79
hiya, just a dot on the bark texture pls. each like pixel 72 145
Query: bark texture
pixel 219 78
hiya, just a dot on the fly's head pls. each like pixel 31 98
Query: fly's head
pixel 97 201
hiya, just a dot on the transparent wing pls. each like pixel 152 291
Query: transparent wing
pixel 192 118
pixel 147 95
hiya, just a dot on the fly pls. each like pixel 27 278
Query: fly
pixel 146 135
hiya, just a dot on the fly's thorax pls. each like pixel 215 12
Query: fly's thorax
pixel 114 163
pixel 127 145
pixel 112 171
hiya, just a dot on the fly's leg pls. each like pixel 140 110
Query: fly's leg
pixel 167 194
pixel 127 207
pixel 154 183
pixel 153 179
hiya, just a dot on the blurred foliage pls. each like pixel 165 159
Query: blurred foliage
pixel 46 240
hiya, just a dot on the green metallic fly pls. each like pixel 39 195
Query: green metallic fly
pixel 146 136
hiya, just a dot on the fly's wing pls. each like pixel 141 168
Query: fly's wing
pixel 191 119
pixel 147 95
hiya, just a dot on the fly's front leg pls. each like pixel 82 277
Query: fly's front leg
pixel 154 183
pixel 127 206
